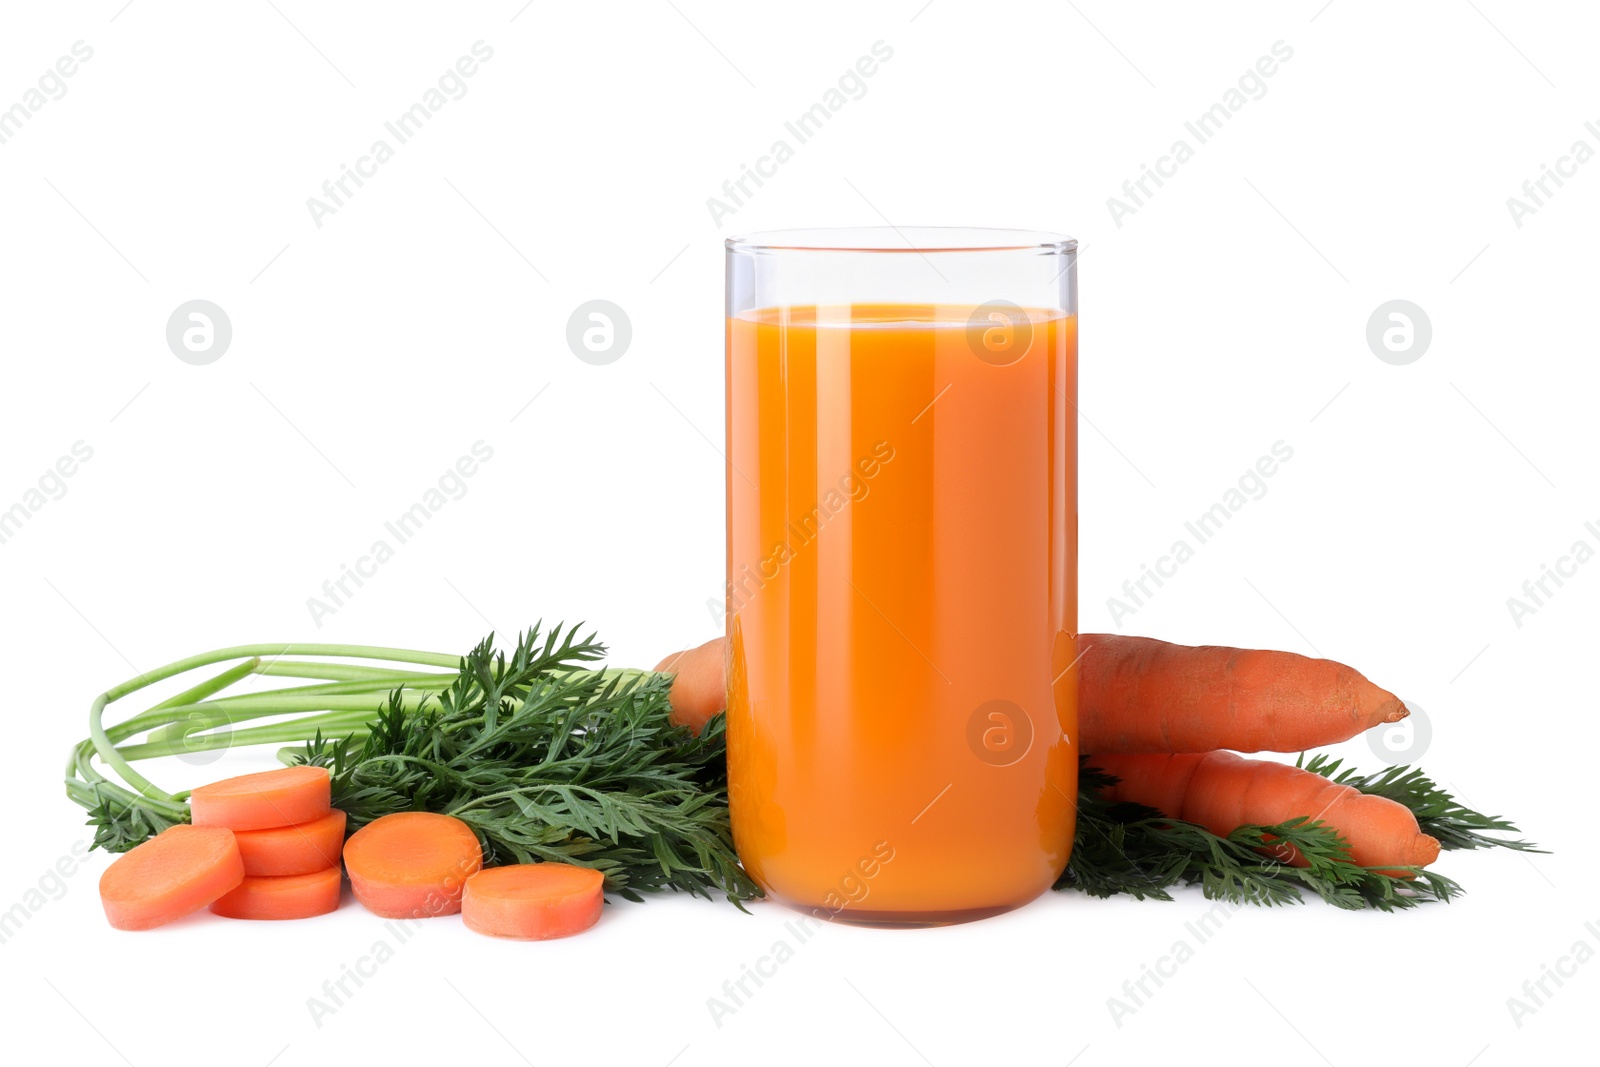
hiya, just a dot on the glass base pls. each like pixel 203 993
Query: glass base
pixel 893 919
pixel 890 918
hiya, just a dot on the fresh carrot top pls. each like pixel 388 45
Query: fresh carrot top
pixel 171 875
pixel 299 849
pixel 262 801
pixel 533 901
pixel 412 864
pixel 294 896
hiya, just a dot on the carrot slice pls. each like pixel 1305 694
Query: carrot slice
pixel 261 801
pixel 178 871
pixel 293 896
pixel 533 901
pixel 412 864
pixel 299 849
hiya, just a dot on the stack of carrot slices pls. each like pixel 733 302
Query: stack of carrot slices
pixel 288 838
pixel 268 846
pixel 260 846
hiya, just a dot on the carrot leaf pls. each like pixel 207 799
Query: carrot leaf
pixel 547 761
pixel 1438 812
pixel 1125 848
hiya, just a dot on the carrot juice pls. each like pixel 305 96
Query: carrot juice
pixel 902 605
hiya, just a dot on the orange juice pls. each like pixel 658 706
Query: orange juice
pixel 902 607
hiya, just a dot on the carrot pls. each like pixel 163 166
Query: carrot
pixel 262 801
pixel 698 691
pixel 1222 791
pixel 412 864
pixel 1137 694
pixel 533 901
pixel 299 849
pixel 169 876
pixel 293 896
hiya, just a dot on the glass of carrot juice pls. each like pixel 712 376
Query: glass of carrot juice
pixel 902 567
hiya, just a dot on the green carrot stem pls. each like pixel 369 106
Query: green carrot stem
pixel 114 759
pixel 332 672
pixel 212 686
pixel 211 714
pixel 277 733
pixel 204 715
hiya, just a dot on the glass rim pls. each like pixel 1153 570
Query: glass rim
pixel 918 240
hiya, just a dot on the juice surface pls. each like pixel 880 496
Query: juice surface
pixel 902 608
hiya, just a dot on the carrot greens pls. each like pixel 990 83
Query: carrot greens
pixel 1438 812
pixel 546 756
pixel 548 763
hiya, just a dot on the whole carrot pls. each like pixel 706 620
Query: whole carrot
pixel 1222 791
pixel 1137 694
pixel 699 691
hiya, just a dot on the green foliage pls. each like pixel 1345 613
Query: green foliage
pixel 547 758
pixel 1438 812
pixel 120 821
pixel 1124 848
pixel 549 762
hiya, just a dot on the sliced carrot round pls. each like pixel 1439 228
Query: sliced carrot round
pixel 293 896
pixel 533 901
pixel 412 864
pixel 261 801
pixel 171 875
pixel 299 849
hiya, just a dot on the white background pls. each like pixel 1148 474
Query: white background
pixel 1228 313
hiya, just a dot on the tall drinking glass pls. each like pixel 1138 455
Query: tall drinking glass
pixel 902 567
